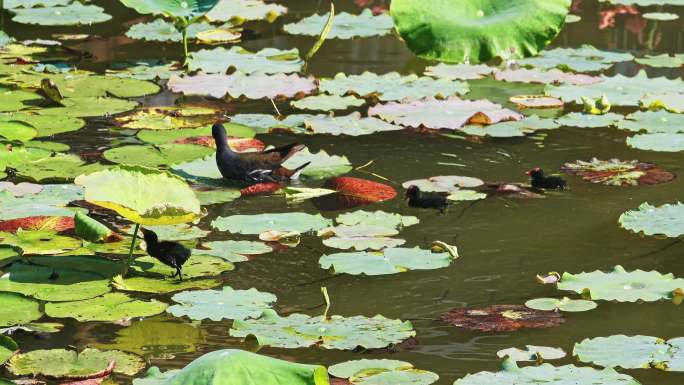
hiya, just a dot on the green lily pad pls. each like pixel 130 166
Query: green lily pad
pixel 35 327
pixel 376 218
pixel 239 11
pixel 145 70
pixel 660 16
pixel 180 232
pixel 237 85
pixel 126 190
pixel 196 266
pixel 392 86
pixel 578 119
pixel 49 201
pixel 378 372
pixel 265 123
pixel 629 352
pixel 657 142
pixel 448 183
pixel 221 304
pixel 661 61
pixel 174 8
pixel 164 31
pixel 532 353
pixel 156 285
pixel 202 171
pixel 7 349
pixel 162 155
pixel 85 107
pixel 477 31
pixel 337 332
pixel 233 251
pixel 666 220
pixel 621 285
pixel 87 85
pixel 536 76
pixel 616 172
pixel 40 242
pixel 85 263
pixel 10 4
pixel 109 307
pixel 620 90
pixel 512 129
pixel 259 223
pixel 74 13
pixel 17 131
pixel 170 118
pixel 15 100
pixel 669 101
pixel 61 363
pixel 53 284
pixel 322 164
pixel 360 237
pixel 213 197
pixel 387 261
pixel 459 71
pixel 55 168
pixel 352 125
pixel 653 122
pixel 267 60
pixel 16 309
pixel 564 304
pixel 327 102
pixel 345 25
pixel 548 375
pixel 45 125
pixel 584 59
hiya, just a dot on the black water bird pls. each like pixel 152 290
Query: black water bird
pixel 426 200
pixel 172 254
pixel 539 181
pixel 254 167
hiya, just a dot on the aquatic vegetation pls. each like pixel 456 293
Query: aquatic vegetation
pixel 345 26
pixel 18 310
pixel 665 220
pixel 632 352
pixel 257 224
pixel 564 304
pixel 360 372
pixel 74 13
pixel 62 363
pixel 226 303
pixel 616 172
pixel 108 307
pixel 532 353
pixel 327 102
pixel 501 318
pixel 267 60
pixel 352 125
pixel 584 59
pixel 388 261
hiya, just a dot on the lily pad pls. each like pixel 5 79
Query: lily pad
pixel 665 220
pixel 345 25
pixel 352 125
pixel 459 71
pixel 621 285
pixel 452 113
pixel 145 70
pixel 254 86
pixel 564 304
pixel 536 101
pixel 169 118
pixel 7 349
pixel 40 241
pixel 180 232
pixel 221 304
pixel 267 60
pixel 84 263
pixel 15 100
pixel 376 218
pixel 46 125
pixel 552 76
pixel 164 31
pixel 239 11
pixel 478 31
pixel 196 266
pixel 16 309
pixel 172 8
pixel 233 251
pixel 62 363
pixel 87 85
pixel 109 307
pixel 50 201
pixel 501 318
pixel 532 353
pixel 616 172
pixel 660 16
pixel 17 131
pixel 257 224
pixel 53 284
pixel 156 285
pixel 91 106
pixel 669 101
pixel 392 86
pixel 662 61
pixel 630 352
pixel 584 59
pixel 578 119
pixel 74 13
pixel 327 102
pixel 450 183
pixel 377 372
pixel 360 237
pixel 388 261
pixel 336 332
pixel 657 142
pixel 162 155
pixel 653 122
pixel 512 129
pixel 322 164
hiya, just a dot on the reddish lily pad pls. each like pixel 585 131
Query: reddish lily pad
pixel 38 223
pixel 361 190
pixel 501 318
pixel 616 172
pixel 261 189
pixel 236 144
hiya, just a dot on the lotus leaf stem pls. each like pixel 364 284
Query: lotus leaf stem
pixel 129 260
pixel 324 290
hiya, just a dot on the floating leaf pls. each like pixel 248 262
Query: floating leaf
pixel 345 26
pixel 388 261
pixel 254 86
pixel 145 70
pixel 196 266
pixel 450 183
pixel 564 304
pixel 336 332
pixel 327 102
pixel 174 8
pixel 54 224
pixel 85 107
pixel 40 241
pixel 16 309
pixel 243 10
pixel 322 164
pixel 459 71
pixel 669 101
pixel 49 202
pixel 376 372
pixel 501 318
pixel 584 59
pixel 661 61
pixel 257 224
pixel 361 191
pixel 376 218
pixel 532 353
pixel 665 220
pixel 266 123
pixel 392 86
pixel 233 251
pixel 616 172
pixel 621 285
pixel 360 237
pixel 352 125
pixel 61 363
pixel 7 349
pixel 660 16
pixel 180 232
pixel 653 122
pixel 577 119
pixel 90 229
pixel 74 13
pixel 46 125
pixel 267 60
pixel 221 304
pixel 164 31
pixel 631 352
pixel 553 76
pixel 657 142
pixel 170 118
pixel 155 285
pixel 522 127
pixel 15 100
pixel 109 307
pixel 162 155
pixel 83 263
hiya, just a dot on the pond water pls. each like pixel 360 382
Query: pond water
pixel 503 242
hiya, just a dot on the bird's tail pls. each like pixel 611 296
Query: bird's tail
pixel 298 170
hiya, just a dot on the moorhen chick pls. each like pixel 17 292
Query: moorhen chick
pixel 426 200
pixel 254 167
pixel 539 181
pixel 172 254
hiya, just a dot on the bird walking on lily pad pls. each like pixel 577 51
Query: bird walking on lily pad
pixel 540 181
pixel 254 167
pixel 172 254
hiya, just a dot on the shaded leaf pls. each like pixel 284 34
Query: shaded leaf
pixel 501 318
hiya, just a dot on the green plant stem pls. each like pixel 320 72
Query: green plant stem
pixel 129 260
pixel 324 290
pixel 184 32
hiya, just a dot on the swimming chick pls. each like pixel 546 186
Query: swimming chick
pixel 539 181
pixel 426 200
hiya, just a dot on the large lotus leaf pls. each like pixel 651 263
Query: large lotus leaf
pixel 88 85
pixel 169 118
pixel 345 25
pixel 360 237
pixel 653 122
pixel 584 59
pixel 352 125
pixel 156 285
pixel 564 304
pixel 547 374
pixel 459 71
pixel 145 70
pixel 629 352
pixel 532 353
pixel 620 90
pixel 267 60
pixel 376 218
pixel 53 284
pixel 578 119
pixel 382 372
pixel 233 251
pixel 669 101
pixel 327 102
pixel 254 86
pixel 46 125
pixel 657 142
pixel 73 14
pixel 221 304
pixel 479 30
pixel 259 223
pixel 162 155
pixel 392 86
pixel 512 129
pixel 165 31
pixel 662 61
pixel 322 164
pixel 172 8
pixel 616 172
pixel 444 183
pixel 16 309
pixel 50 201
pixel 154 376
pixel 40 242
pixel 17 131
pixel 126 190
pixel 109 307
pixel 452 113
pixel 156 338
pixel 388 261
pixel 62 363
pixel 90 106
pixel 501 318
pixel 666 220
pixel 14 100
pixel 553 76
pixel 622 286
pixel 196 266
pixel 336 332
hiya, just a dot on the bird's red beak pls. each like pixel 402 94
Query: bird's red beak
pixel 528 172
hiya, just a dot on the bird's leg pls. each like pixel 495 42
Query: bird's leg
pixel 180 275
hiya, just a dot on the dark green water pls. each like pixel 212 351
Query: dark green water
pixel 503 242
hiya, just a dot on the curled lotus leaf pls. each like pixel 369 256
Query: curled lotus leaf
pixel 345 25
pixel 221 304
pixel 352 125
pixel 669 101
pixel 628 352
pixel 259 223
pixel 74 13
pixel 236 85
pixel 477 31
pixel 377 372
pixel 578 119
pixel 156 285
pixel 532 353
pixel 126 190
pixel 392 86
pixel 621 285
pixel 16 309
pixel 616 172
pixel 168 118
pixel 327 102
pixel 238 11
pixel 563 304
pixel 665 220
pixel 196 266
pixel 553 76
pixel 323 165
pixel 172 8
pixel 233 251
pixel 109 307
pixel 40 241
pixel 267 60
pixel 62 363
pixel 376 218
pixel 388 261
pixel 444 183
pixel 360 237
pixel 452 113
pixel 657 142
pixel 584 59
pixel 653 122
pixel 501 318
pixel 459 71
pixel 512 129
pixel 335 332
pixel 548 375
pixel 162 155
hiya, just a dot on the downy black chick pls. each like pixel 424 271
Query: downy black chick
pixel 426 200
pixel 172 254
pixel 539 181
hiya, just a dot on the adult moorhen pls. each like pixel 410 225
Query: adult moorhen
pixel 539 181
pixel 254 167
pixel 172 254
pixel 426 200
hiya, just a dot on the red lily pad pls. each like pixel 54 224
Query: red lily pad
pixel 361 189
pixel 502 318
pixel 37 223
pixel 237 144
pixel 261 189
pixel 616 172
